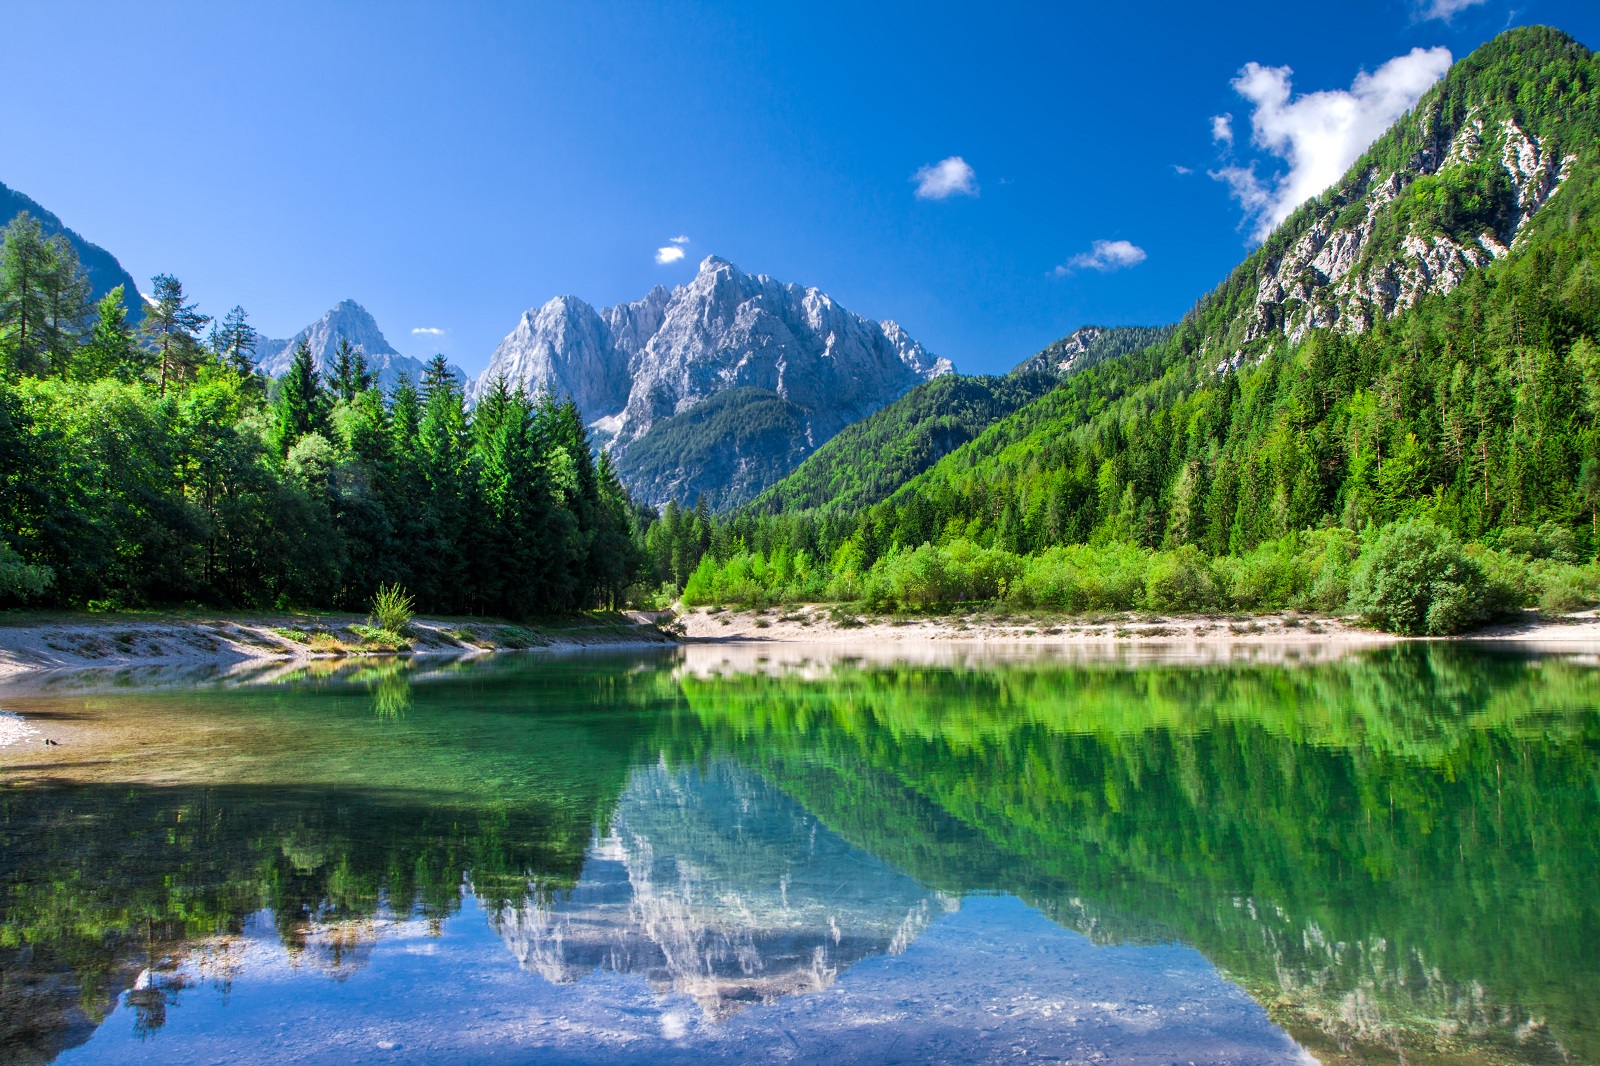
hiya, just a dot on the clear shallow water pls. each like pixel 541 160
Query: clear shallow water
pixel 696 856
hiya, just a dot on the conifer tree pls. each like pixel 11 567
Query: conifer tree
pixel 67 304
pixel 301 406
pixel 26 267
pixel 111 350
pixel 351 375
pixel 171 330
pixel 234 341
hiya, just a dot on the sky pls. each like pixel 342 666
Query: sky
pixel 989 176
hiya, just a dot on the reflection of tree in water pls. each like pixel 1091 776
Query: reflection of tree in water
pixel 1393 851
pixel 391 691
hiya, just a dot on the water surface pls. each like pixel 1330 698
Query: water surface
pixel 708 855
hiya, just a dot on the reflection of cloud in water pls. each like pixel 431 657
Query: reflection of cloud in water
pixel 716 885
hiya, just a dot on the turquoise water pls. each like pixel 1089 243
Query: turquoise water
pixel 715 855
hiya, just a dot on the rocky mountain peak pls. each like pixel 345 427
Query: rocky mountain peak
pixel 1452 187
pixel 636 365
pixel 350 321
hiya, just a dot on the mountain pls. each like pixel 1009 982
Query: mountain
pixel 869 459
pixel 1422 340
pixel 351 321
pixel 105 273
pixel 796 366
pixel 1085 347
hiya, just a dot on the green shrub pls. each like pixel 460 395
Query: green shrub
pixel 1414 578
pixel 391 609
pixel 19 580
pixel 1180 580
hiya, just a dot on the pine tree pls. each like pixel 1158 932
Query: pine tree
pixel 234 341
pixel 171 330
pixel 67 304
pixel 26 268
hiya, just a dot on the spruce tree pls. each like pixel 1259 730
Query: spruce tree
pixel 171 330
pixel 351 375
pixel 301 405
pixel 110 350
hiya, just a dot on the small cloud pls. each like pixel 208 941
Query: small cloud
pixel 1222 130
pixel 426 331
pixel 1180 168
pixel 670 254
pixel 1444 10
pixel 680 240
pixel 1104 256
pixel 946 178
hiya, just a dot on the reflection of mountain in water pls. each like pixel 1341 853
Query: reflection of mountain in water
pixel 716 885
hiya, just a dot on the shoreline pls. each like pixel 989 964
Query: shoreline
pixel 827 624
pixel 48 644
pixel 226 646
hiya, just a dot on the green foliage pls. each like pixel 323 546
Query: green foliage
pixel 1416 580
pixel 392 609
pixel 868 460
pixel 20 581
pixel 1477 411
pixel 154 470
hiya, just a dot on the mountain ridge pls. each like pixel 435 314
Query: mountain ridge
pixel 637 370
pixel 103 269
pixel 350 321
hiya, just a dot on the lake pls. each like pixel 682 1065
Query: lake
pixel 707 854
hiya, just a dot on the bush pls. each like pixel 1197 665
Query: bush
pixel 1414 579
pixel 19 580
pixel 391 609
pixel 1180 580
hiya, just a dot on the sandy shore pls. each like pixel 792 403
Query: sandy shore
pixel 31 646
pixel 824 624
pixel 244 647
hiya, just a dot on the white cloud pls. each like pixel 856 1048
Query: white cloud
pixel 680 240
pixel 426 331
pixel 1318 134
pixel 946 178
pixel 670 254
pixel 1222 130
pixel 1444 9
pixel 1179 168
pixel 1104 256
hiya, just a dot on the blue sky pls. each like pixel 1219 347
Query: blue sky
pixel 449 166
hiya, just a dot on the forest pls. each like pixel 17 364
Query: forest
pixel 154 465
pixel 1173 477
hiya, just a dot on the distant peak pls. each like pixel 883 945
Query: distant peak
pixel 715 262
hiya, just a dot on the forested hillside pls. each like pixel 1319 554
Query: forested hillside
pixel 154 466
pixel 871 458
pixel 1417 344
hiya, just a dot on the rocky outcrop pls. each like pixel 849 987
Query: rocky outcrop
pixel 354 323
pixel 1349 266
pixel 1089 345
pixel 631 366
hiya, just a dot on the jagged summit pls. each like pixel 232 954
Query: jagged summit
pixel 353 322
pixel 637 366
